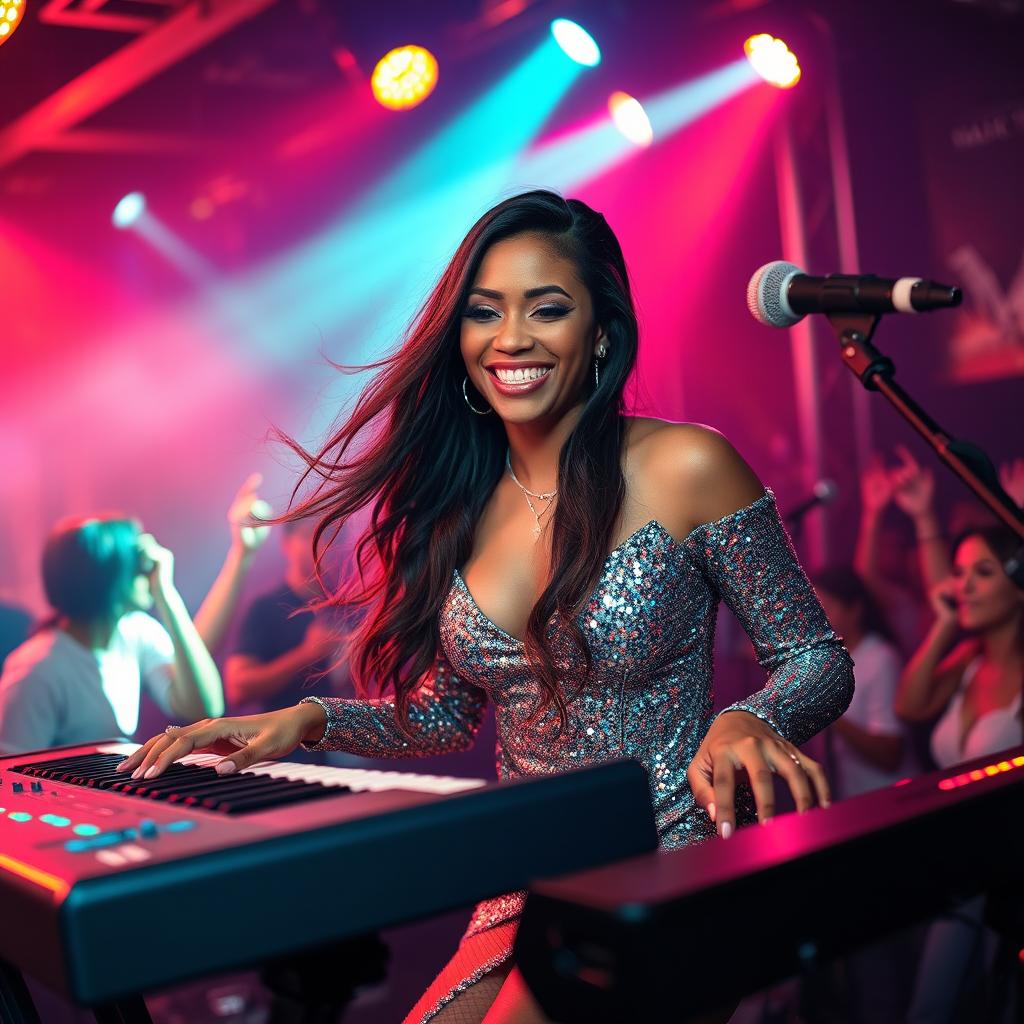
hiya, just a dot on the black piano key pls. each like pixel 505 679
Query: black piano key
pixel 212 798
pixel 270 800
pixel 132 786
pixel 175 771
pixel 215 789
pixel 108 769
pixel 172 782
pixel 62 770
pixel 66 763
pixel 168 782
pixel 220 790
pixel 210 787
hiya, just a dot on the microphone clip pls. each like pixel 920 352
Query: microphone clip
pixel 855 331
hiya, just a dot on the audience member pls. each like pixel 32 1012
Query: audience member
pixel 868 745
pixel 79 678
pixel 974 685
pixel 284 648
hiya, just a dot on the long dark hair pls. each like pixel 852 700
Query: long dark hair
pixel 89 567
pixel 425 466
pixel 845 585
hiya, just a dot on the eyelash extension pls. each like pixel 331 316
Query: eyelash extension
pixel 551 311
pixel 479 313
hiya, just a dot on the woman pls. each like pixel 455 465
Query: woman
pixel 976 689
pixel 532 545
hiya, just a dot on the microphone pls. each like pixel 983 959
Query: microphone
pixel 781 294
pixel 822 493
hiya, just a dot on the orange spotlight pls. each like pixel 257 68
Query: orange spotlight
pixel 630 118
pixel 404 77
pixel 10 17
pixel 773 60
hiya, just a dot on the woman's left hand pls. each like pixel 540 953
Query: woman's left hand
pixel 739 742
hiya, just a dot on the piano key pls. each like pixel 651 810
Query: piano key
pixel 271 800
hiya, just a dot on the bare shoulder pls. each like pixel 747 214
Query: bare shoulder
pixel 686 474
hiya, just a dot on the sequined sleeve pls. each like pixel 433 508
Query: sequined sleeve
pixel 749 560
pixel 444 717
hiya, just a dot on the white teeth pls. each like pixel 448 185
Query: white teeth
pixel 521 376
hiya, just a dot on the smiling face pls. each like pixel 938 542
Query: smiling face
pixel 986 596
pixel 528 334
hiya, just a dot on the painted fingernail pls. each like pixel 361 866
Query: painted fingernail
pixel 137 772
pixel 121 767
pixel 151 771
pixel 726 829
pixel 712 810
pixel 225 767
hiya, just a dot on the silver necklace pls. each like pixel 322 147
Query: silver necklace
pixel 547 496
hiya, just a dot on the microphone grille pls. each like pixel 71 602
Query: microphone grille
pixel 766 294
pixel 825 490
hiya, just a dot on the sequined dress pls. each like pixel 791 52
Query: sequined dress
pixel 650 626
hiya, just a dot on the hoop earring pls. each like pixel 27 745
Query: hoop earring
pixel 465 395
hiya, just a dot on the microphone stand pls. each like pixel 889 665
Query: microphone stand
pixel 876 371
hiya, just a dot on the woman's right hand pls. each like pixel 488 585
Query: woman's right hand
pixel 244 741
pixel 944 602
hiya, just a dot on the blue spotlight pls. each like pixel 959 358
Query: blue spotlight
pixel 576 42
pixel 129 210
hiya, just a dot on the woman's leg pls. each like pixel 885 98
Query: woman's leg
pixel 471 1005
pixel 473 959
pixel 515 1004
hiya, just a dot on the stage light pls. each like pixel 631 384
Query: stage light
pixel 404 77
pixel 10 17
pixel 576 42
pixel 773 60
pixel 129 210
pixel 630 118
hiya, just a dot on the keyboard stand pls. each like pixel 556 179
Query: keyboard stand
pixel 312 987
pixel 16 1006
pixel 130 1010
pixel 315 986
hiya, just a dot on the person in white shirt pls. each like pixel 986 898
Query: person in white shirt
pixel 868 743
pixel 79 677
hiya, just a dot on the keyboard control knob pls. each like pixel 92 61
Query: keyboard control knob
pixel 37 787
pixel 148 829
pixel 18 787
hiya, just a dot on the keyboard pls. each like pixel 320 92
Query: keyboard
pixel 129 884
pixel 625 941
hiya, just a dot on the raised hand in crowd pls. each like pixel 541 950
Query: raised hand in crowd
pixel 876 486
pixel 914 493
pixel 246 515
pixel 1011 476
